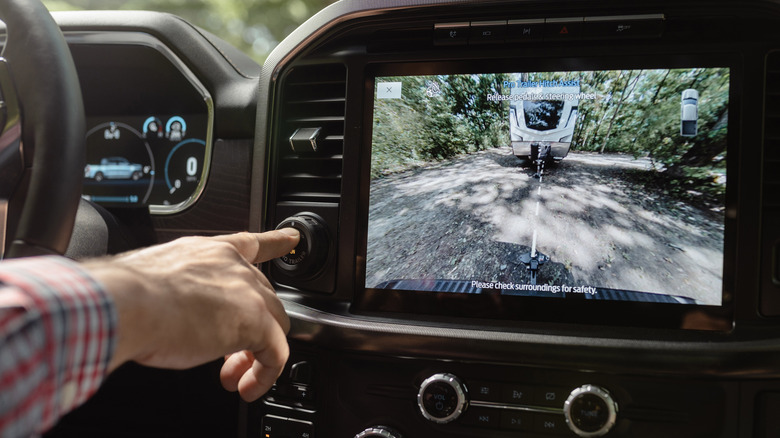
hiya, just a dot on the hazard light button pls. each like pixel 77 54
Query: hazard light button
pixel 564 29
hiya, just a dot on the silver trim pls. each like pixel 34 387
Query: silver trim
pixel 523 408
pixel 598 392
pixel 3 225
pixel 646 17
pixel 291 408
pixel 451 25
pixel 529 21
pixel 564 20
pixel 488 23
pixel 144 39
pixel 460 391
pixel 378 431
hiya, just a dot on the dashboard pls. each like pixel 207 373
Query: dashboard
pixel 487 248
pixel 154 151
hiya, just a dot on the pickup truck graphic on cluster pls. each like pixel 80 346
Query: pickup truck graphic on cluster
pixel 113 168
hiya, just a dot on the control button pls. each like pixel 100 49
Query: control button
pixel 442 398
pixel 552 424
pixel 486 32
pixel 552 397
pixel 517 420
pixel 482 417
pixel 517 394
pixel 451 34
pixel 308 258
pixel 304 140
pixel 378 432
pixel 486 391
pixel 301 372
pixel 625 26
pixel 590 411
pixel 562 28
pixel 525 30
pixel 280 427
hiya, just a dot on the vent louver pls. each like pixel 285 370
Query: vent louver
pixel 312 97
pixel 771 171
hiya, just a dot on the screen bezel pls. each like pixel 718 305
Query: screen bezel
pixel 426 306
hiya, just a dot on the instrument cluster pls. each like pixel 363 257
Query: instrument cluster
pixel 157 160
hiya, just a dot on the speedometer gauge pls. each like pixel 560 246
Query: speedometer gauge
pixel 183 168
pixel 120 165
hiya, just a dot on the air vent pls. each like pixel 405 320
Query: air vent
pixel 771 172
pixel 313 102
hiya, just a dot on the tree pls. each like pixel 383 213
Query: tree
pixel 254 26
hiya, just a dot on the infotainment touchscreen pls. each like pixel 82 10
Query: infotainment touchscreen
pixel 596 185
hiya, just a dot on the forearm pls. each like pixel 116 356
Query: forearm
pixel 57 335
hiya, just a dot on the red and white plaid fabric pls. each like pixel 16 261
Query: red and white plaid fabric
pixel 57 336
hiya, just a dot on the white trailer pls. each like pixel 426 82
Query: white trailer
pixel 542 116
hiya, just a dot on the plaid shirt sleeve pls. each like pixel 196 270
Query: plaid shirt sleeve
pixel 57 336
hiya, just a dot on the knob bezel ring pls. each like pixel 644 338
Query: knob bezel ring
pixel 599 392
pixel 379 431
pixel 460 392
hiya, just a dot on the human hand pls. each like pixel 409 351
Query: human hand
pixel 192 300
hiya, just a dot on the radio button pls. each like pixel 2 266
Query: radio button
pixel 517 420
pixel 551 424
pixel 517 394
pixel 442 398
pixel 485 391
pixel 482 417
pixel 550 397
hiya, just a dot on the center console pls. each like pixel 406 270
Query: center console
pixel 524 219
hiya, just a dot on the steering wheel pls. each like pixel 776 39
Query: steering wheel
pixel 42 147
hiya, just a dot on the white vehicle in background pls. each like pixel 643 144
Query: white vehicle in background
pixel 542 120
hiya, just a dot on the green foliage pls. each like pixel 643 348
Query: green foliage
pixel 254 26
pixel 419 128
pixel 647 123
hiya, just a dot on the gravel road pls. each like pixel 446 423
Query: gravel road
pixel 471 218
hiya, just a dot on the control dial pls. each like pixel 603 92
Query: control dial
pixel 590 411
pixel 378 432
pixel 442 398
pixel 308 258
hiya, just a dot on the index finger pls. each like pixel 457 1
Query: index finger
pixel 261 247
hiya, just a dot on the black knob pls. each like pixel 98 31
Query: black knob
pixel 590 411
pixel 378 432
pixel 442 398
pixel 308 258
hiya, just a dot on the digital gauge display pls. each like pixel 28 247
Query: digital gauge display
pixel 157 160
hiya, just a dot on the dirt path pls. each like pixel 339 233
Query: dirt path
pixel 472 217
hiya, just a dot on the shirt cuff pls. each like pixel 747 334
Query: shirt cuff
pixel 68 328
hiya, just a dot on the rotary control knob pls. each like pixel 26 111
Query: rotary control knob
pixel 378 432
pixel 442 398
pixel 308 258
pixel 590 411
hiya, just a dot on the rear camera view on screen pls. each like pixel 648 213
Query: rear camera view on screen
pixel 605 185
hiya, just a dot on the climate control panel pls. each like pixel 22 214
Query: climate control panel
pixel 587 411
